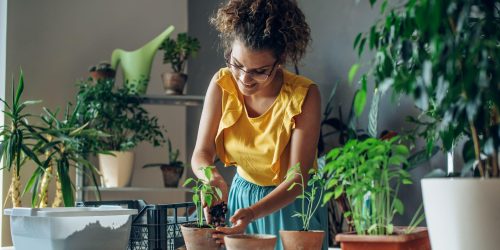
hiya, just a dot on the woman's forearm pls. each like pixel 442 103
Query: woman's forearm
pixel 278 198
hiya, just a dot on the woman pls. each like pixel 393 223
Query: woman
pixel 260 117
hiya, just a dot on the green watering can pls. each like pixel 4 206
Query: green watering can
pixel 136 65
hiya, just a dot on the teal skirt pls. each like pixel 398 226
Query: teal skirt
pixel 244 194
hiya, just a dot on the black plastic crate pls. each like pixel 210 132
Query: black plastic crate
pixel 155 227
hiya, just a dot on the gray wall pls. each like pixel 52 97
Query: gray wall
pixel 334 26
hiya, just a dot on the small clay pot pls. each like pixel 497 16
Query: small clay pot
pixel 250 241
pixel 174 83
pixel 197 238
pixel 305 240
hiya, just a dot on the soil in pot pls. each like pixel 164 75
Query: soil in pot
pixel 197 238
pixel 250 241
pixel 305 240
pixel 171 175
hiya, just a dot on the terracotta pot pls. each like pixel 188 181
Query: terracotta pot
pixel 304 240
pixel 171 175
pixel 102 74
pixel 198 238
pixel 418 240
pixel 250 241
pixel 173 83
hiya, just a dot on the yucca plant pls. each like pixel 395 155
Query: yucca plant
pixel 61 141
pixel 16 139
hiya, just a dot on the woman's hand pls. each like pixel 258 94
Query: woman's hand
pixel 222 185
pixel 240 220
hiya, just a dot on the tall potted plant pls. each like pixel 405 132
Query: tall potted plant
pixel 15 146
pixel 364 172
pixel 445 55
pixel 118 114
pixel 311 195
pixel 177 52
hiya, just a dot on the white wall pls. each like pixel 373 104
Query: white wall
pixel 55 42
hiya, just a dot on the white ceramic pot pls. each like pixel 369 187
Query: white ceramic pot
pixel 462 213
pixel 117 170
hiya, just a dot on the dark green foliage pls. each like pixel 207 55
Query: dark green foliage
pixel 445 55
pixel 118 114
pixel 177 52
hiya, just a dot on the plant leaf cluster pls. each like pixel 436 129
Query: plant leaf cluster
pixel 364 171
pixel 311 194
pixel 177 52
pixel 445 55
pixel 203 193
pixel 117 113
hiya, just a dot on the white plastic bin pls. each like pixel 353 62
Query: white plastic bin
pixel 73 228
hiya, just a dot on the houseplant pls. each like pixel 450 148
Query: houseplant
pixel 15 146
pixel 118 114
pixel 172 170
pixel 198 236
pixel 311 195
pixel 444 54
pixel 364 171
pixel 177 52
pixel 61 143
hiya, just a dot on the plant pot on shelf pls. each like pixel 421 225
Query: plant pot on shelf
pixel 116 169
pixel 306 240
pixel 197 238
pixel 419 239
pixel 172 173
pixel 174 83
pixel 462 213
pixel 250 241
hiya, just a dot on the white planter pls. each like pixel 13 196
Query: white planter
pixel 462 213
pixel 75 228
pixel 116 170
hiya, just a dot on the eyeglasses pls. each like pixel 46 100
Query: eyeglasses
pixel 257 76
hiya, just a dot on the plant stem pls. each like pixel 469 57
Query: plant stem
pixel 477 149
pixel 14 187
pixel 58 200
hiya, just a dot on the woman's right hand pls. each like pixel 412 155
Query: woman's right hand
pixel 222 185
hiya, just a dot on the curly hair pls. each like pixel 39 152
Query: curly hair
pixel 277 25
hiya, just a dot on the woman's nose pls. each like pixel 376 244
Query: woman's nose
pixel 245 77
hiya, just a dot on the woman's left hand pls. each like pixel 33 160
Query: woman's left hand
pixel 241 218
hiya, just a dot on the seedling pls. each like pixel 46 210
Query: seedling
pixel 316 184
pixel 203 193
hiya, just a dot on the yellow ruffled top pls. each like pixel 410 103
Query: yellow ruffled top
pixel 259 146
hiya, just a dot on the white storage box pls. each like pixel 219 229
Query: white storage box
pixel 72 228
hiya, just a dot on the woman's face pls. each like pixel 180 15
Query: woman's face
pixel 254 71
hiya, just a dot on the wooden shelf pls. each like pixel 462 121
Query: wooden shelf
pixel 137 189
pixel 180 100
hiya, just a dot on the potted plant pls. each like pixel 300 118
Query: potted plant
pixel 444 54
pixel 198 236
pixel 118 114
pixel 364 171
pixel 15 146
pixel 61 143
pixel 177 52
pixel 172 170
pixel 101 71
pixel 311 199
